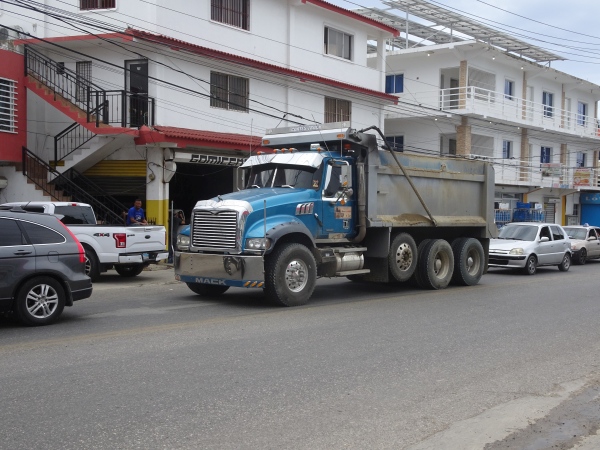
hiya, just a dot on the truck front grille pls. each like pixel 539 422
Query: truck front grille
pixel 215 231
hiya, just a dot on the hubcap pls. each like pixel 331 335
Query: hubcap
pixel 473 262
pixel 404 257
pixel 296 275
pixel 441 264
pixel 42 301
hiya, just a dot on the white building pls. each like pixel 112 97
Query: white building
pixel 463 89
pixel 116 95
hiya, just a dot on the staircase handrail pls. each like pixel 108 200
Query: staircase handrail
pixel 90 186
pixel 78 194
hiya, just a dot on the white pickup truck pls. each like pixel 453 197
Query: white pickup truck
pixel 126 248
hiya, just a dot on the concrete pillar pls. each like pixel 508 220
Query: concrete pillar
pixel 564 155
pixel 525 156
pixel 463 137
pixel 462 83
pixel 157 191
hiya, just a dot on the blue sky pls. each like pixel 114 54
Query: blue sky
pixel 569 29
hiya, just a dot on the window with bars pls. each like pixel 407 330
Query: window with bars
pixel 337 110
pixel 338 43
pixel 231 12
pixel 84 78
pixel 582 112
pixel 85 5
pixel 229 92
pixel 580 159
pixel 8 105
pixel 546 155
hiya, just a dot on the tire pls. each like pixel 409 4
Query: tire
pixel 581 257
pixel 92 265
pixel 290 275
pixel 402 257
pixel 565 263
pixel 40 301
pixel 207 290
pixel 531 265
pixel 469 261
pixel 436 266
pixel 129 270
pixel 416 278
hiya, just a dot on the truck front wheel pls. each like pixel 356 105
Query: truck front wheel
pixel 290 275
pixel 207 290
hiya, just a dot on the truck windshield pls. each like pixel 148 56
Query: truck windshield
pixel 271 175
pixel 76 215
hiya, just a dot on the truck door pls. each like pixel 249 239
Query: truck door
pixel 338 201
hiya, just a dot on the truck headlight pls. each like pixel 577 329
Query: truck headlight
pixel 516 251
pixel 258 244
pixel 183 242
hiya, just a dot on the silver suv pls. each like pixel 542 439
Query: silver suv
pixel 42 267
pixel 527 245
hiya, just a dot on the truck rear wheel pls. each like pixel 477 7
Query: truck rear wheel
pixel 415 279
pixel 208 290
pixel 436 265
pixel 402 258
pixel 468 261
pixel 92 266
pixel 290 275
pixel 129 270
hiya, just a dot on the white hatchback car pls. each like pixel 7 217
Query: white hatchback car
pixel 585 243
pixel 527 245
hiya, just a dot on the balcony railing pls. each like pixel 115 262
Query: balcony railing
pixel 517 172
pixel 497 105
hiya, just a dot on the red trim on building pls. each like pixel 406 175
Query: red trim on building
pixel 11 143
pixel 354 15
pixel 186 137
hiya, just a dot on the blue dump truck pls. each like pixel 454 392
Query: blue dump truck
pixel 331 201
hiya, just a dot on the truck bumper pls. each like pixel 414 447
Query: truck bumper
pixel 143 258
pixel 225 270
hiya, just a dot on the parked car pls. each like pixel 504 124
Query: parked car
pixel 129 249
pixel 585 243
pixel 528 245
pixel 42 267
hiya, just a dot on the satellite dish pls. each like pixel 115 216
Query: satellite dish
pixel 3 34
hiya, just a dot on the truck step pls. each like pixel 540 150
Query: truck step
pixel 349 249
pixel 351 272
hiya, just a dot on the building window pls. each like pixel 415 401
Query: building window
pixel 452 146
pixel 84 78
pixel 507 151
pixel 338 43
pixel 229 92
pixel 8 105
pixel 580 159
pixel 394 84
pixel 546 155
pixel 97 4
pixel 396 143
pixel 231 12
pixel 337 110
pixel 548 102
pixel 582 112
pixel 509 89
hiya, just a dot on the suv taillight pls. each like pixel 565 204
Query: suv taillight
pixel 79 246
pixel 120 240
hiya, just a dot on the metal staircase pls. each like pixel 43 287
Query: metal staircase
pixel 62 188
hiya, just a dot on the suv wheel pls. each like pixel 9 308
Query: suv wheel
pixel 40 301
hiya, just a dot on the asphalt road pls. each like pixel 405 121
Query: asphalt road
pixel 147 364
